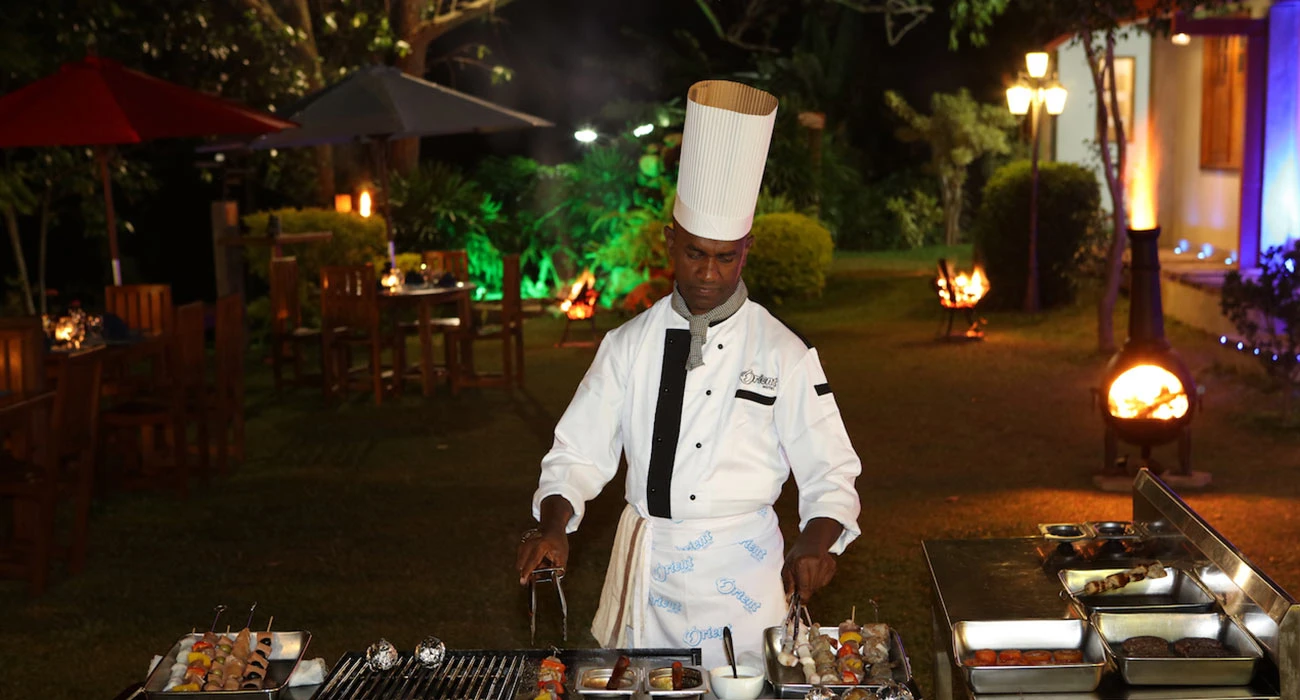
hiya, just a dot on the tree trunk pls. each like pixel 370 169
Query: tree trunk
pixel 43 247
pixel 952 189
pixel 1113 170
pixel 326 185
pixel 11 223
pixel 325 181
pixel 419 32
pixel 405 154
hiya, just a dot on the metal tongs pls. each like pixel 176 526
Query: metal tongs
pixel 553 574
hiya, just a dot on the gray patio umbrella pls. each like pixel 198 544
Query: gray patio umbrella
pixel 380 104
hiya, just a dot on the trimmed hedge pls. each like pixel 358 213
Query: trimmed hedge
pixel 356 241
pixel 1068 199
pixel 789 258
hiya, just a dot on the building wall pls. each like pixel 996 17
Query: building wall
pixel 1199 206
pixel 1281 206
pixel 1076 127
pixel 1195 205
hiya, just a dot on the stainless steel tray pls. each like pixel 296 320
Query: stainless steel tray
pixel 1177 591
pixel 1026 635
pixel 1114 628
pixel 287 649
pixel 790 682
pixel 601 674
pixel 689 673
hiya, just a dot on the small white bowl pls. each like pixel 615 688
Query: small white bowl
pixel 747 686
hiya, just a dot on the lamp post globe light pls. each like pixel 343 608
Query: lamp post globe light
pixel 1033 94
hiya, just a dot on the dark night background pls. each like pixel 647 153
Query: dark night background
pixel 570 58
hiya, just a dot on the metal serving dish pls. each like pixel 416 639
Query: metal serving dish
pixel 694 679
pixel 1114 530
pixel 1238 669
pixel 591 681
pixel 791 683
pixel 1026 635
pixel 287 649
pixel 1066 532
pixel 1177 591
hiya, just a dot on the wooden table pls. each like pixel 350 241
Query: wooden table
pixel 424 298
pixel 119 356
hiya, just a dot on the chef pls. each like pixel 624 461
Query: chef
pixel 715 403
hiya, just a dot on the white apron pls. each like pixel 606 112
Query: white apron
pixel 682 581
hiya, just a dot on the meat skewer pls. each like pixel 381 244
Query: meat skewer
pixel 1119 580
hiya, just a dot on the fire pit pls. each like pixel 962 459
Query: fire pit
pixel 580 305
pixel 960 293
pixel 1147 395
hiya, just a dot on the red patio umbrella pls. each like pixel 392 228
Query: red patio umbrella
pixel 98 102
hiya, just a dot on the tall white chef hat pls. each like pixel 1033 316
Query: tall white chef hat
pixel 724 148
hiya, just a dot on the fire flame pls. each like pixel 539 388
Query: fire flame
pixel 1142 194
pixel 967 289
pixel 392 279
pixel 581 302
pixel 363 204
pixel 1148 391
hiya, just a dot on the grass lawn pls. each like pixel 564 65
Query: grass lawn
pixel 357 522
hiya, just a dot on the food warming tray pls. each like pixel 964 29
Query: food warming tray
pixel 689 674
pixel 1114 628
pixel 1026 635
pixel 1177 591
pixel 591 681
pixel 287 649
pixel 791 683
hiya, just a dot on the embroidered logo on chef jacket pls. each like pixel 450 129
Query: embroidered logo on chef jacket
pixel 661 572
pixel 750 377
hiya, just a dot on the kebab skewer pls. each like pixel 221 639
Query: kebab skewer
pixel 1119 580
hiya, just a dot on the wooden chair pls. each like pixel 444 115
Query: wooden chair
pixel 454 261
pixel 28 476
pixel 508 331
pixel 143 307
pixel 151 432
pixel 76 442
pixel 288 336
pixel 350 318
pixel 146 308
pixel 22 355
pixel 227 398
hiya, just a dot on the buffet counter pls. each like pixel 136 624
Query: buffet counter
pixel 1014 580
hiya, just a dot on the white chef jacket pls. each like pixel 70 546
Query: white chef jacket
pixel 758 410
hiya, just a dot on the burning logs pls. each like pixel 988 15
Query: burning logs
pixel 961 292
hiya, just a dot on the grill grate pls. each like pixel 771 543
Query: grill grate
pixel 462 676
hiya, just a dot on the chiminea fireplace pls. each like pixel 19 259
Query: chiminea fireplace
pixel 1147 396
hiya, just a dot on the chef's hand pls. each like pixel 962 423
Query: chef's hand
pixel 809 565
pixel 547 543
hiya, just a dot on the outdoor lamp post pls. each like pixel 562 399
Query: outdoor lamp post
pixel 1031 94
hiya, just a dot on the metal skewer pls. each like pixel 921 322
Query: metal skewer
pixel 250 615
pixel 217 610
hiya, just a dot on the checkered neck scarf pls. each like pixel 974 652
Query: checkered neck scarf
pixel 700 322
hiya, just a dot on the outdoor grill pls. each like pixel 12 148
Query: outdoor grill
pixel 466 675
pixel 473 675
pixel 1147 396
